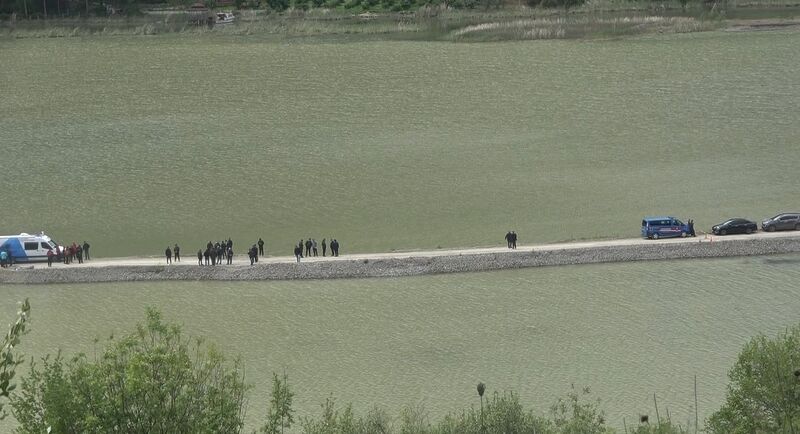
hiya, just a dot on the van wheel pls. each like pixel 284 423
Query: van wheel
pixel 655 236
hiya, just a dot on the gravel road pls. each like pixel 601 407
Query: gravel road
pixel 407 263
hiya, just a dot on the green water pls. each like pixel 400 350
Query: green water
pixel 625 330
pixel 135 142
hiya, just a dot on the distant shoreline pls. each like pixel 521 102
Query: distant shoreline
pixel 409 264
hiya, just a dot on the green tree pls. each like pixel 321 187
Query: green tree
pixel 152 381
pixel 280 413
pixel 764 391
pixel 9 360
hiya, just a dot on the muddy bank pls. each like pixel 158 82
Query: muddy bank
pixel 407 266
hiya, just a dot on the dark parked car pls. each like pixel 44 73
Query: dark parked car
pixel 782 222
pixel 735 226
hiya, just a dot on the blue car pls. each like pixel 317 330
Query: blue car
pixel 664 227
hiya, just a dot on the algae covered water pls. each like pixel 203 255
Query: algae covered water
pixel 625 330
pixel 132 143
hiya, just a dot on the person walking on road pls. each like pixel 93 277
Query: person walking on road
pixel 168 254
pixel 508 239
pixel 298 253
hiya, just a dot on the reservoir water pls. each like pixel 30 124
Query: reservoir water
pixel 625 330
pixel 132 143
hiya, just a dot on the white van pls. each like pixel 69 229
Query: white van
pixel 26 247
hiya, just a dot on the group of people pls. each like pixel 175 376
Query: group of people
pixel 511 239
pixel 69 254
pixel 215 253
pixel 311 248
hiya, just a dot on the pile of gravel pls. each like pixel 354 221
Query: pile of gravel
pixel 411 266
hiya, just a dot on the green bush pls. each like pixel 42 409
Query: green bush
pixel 153 380
pixel 764 393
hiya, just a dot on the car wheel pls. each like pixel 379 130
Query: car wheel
pixel 770 228
pixel 655 236
pixel 748 231
pixel 723 232
pixel 683 234
pixel 797 227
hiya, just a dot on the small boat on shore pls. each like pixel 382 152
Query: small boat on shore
pixel 225 18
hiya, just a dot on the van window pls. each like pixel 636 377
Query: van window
pixel 32 246
pixel 45 246
pixel 644 222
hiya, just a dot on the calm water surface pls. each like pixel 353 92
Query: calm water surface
pixel 135 142
pixel 625 330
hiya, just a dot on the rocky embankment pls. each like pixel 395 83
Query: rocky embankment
pixel 408 266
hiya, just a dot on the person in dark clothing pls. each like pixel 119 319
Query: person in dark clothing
pixel 324 247
pixel 209 245
pixel 207 256
pixel 177 251
pixel 168 254
pixel 79 254
pixel 301 247
pixel 252 254
pixel 508 239
pixel 255 252
pixel 691 227
pixel 86 250
pixel 513 240
pixel 335 247
pixel 261 247
pixel 50 255
pixel 314 246
pixel 200 258
pixel 298 253
pixel 230 255
pixel 213 256
pixel 308 247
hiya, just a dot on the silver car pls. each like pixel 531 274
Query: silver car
pixel 782 222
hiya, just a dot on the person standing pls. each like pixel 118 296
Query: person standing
pixel 261 247
pixel 308 247
pixel 513 240
pixel 177 251
pixel 230 255
pixel 335 247
pixel 168 254
pixel 314 246
pixel 79 254
pixel 324 247
pixel 298 253
pixel 301 247
pixel 207 256
pixel 200 257
pixel 508 239
pixel 86 250
pixel 50 255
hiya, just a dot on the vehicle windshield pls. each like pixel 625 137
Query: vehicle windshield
pixel 727 222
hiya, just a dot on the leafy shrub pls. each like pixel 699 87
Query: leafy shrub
pixel 151 380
